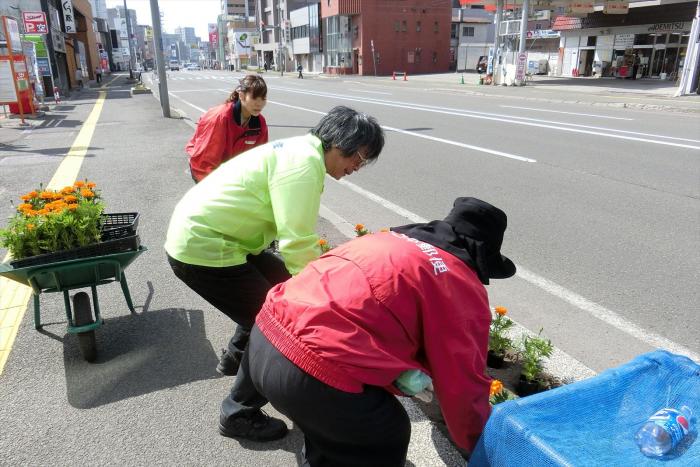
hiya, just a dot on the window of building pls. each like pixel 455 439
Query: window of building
pixel 417 26
pixel 454 31
pixel 644 39
pixel 404 25
pixel 436 26
pixel 435 57
pixel 397 26
pixel 591 40
pixel 338 44
pixel 468 31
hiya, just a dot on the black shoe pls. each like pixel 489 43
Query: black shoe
pixel 228 363
pixel 257 426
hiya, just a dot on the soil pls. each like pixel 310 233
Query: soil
pixel 509 375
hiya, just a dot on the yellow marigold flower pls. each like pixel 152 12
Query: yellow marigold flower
pixel 86 193
pixel 70 199
pixel 322 241
pixel 72 207
pixel 501 310
pixel 359 227
pixel 91 185
pixel 79 183
pixel 496 387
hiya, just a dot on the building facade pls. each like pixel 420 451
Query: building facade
pixel 653 41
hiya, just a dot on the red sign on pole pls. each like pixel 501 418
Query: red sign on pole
pixel 35 22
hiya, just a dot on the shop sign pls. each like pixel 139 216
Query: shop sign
pixel 43 64
pixel 68 16
pixel 213 35
pixel 35 22
pixel 581 8
pixel 668 27
pixel 616 7
pixel 622 41
pixel 7 85
pixel 13 32
pixel 59 41
pixel 520 67
pixel 543 34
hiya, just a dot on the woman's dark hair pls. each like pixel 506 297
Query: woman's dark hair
pixel 350 130
pixel 251 83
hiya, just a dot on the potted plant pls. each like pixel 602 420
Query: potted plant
pixel 532 350
pixel 499 343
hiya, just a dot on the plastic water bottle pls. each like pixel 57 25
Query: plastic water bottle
pixel 664 431
pixel 412 382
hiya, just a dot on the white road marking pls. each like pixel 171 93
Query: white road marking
pixel 370 92
pixel 597 311
pixel 432 138
pixel 555 125
pixel 562 112
pixel 186 102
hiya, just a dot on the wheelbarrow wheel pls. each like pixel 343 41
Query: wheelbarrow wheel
pixel 82 314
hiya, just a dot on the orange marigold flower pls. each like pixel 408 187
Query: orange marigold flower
pixel 496 387
pixel 32 194
pixel 24 207
pixel 91 184
pixel 70 199
pixel 30 227
pixel 68 190
pixel 79 183
pixel 359 227
pixel 86 193
pixel 46 195
pixel 322 241
pixel 43 211
pixel 25 197
pixel 72 207
pixel 501 310
pixel 385 229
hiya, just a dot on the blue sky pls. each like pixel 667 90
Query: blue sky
pixel 190 13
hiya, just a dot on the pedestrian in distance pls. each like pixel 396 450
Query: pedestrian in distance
pixel 300 69
pixel 79 78
pixel 266 66
pixel 229 129
pixel 220 229
pixel 98 74
pixel 335 344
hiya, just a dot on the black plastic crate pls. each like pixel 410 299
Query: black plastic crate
pixel 118 225
pixel 108 247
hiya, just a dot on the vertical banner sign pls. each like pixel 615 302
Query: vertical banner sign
pixel 35 22
pixel 617 7
pixel 7 85
pixel 213 34
pixel 68 16
pixel 520 67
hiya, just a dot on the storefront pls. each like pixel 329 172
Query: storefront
pixel 647 42
pixel 653 50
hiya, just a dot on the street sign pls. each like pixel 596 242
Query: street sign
pixel 44 67
pixel 35 22
pixel 520 67
pixel 68 17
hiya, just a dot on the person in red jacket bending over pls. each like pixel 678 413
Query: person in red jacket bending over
pixel 229 129
pixel 334 344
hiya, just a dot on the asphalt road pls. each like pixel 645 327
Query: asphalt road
pixel 603 224
pixel 604 219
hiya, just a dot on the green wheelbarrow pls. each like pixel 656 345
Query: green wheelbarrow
pixel 63 276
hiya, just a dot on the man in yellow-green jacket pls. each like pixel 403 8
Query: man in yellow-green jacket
pixel 220 229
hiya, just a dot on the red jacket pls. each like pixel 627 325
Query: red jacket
pixel 218 138
pixel 383 304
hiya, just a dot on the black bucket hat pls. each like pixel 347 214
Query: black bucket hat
pixel 478 222
pixel 473 232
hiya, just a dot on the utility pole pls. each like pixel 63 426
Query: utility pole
pixel 132 55
pixel 160 60
pixel 495 66
pixel 523 35
pixel 374 57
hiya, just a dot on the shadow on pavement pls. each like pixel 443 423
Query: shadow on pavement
pixel 139 354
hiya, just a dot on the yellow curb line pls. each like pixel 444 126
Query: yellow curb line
pixel 14 296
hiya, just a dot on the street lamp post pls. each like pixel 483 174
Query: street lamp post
pixel 132 56
pixel 160 60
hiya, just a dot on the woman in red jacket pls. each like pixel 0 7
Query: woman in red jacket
pixel 229 129
pixel 334 344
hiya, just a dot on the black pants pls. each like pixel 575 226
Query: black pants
pixel 236 291
pixel 341 429
pixel 99 77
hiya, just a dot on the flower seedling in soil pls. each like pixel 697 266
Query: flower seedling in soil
pixel 499 342
pixel 361 230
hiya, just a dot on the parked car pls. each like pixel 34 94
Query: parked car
pixel 174 65
pixel 482 64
